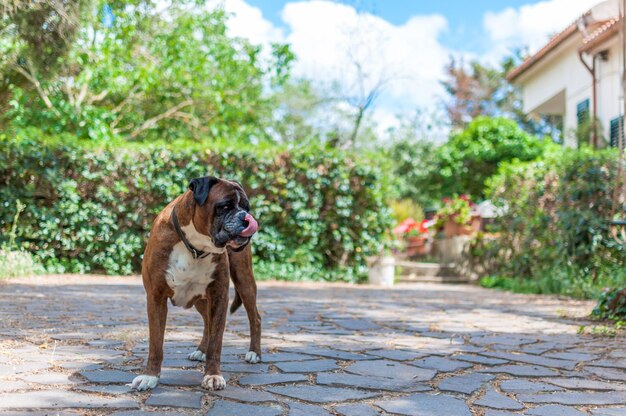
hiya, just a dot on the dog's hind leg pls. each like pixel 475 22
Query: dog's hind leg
pixel 202 307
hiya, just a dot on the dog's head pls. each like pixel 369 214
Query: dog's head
pixel 222 212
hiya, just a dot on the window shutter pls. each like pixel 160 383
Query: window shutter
pixel 615 133
pixel 582 111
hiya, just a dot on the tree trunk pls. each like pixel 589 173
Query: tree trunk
pixel 357 124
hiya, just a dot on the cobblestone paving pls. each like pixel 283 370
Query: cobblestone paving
pixel 69 345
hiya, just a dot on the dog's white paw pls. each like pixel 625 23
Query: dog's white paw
pixel 213 383
pixel 252 357
pixel 144 382
pixel 197 355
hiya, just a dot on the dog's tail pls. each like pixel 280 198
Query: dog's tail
pixel 236 303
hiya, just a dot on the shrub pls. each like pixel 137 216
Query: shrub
pixel 90 208
pixel 476 153
pixel 554 236
pixel 15 263
pixel 612 305
pixel 426 173
pixel 412 163
pixel 404 209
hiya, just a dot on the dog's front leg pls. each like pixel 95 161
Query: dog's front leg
pixel 217 294
pixel 157 317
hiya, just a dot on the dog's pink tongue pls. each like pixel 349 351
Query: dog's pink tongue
pixel 251 228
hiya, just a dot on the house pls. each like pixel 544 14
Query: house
pixel 577 76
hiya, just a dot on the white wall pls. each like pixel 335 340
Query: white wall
pixel 560 71
pixel 609 86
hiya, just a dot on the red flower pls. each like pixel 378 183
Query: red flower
pixel 405 226
pixel 410 226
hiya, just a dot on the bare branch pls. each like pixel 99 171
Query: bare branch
pixel 81 95
pixel 130 96
pixel 151 122
pixel 68 92
pixel 42 94
pixel 98 97
pixel 187 119
pixel 118 109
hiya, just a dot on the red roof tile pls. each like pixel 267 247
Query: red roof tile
pixel 601 31
pixel 533 59
pixel 601 34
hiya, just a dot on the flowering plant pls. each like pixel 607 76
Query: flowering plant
pixel 457 209
pixel 411 228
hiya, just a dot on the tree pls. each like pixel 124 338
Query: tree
pixel 470 91
pixel 464 163
pixel 297 117
pixel 352 92
pixel 480 90
pixel 364 96
pixel 135 72
pixel 412 155
pixel 412 163
pixel 34 36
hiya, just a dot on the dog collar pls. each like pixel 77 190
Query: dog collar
pixel 197 254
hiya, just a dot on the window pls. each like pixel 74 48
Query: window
pixel 615 132
pixel 582 112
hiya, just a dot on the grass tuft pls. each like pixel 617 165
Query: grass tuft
pixel 15 263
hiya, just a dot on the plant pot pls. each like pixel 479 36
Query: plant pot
pixel 381 271
pixel 453 229
pixel 476 223
pixel 417 246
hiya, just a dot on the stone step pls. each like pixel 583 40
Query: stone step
pixel 411 271
pixel 413 278
pixel 424 269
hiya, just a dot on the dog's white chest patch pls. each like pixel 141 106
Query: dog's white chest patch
pixel 186 276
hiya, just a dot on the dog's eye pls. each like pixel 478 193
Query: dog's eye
pixel 226 207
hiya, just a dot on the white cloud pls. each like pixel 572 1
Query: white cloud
pixel 530 25
pixel 247 21
pixel 328 38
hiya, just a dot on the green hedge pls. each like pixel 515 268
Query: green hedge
pixel 555 236
pixel 89 208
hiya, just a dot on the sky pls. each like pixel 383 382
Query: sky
pixel 405 43
pixel 465 28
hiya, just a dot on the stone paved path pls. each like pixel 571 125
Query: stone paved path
pixel 69 345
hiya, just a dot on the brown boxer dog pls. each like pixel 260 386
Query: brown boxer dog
pixel 199 241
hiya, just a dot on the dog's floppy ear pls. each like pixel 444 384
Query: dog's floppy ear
pixel 201 187
pixel 237 183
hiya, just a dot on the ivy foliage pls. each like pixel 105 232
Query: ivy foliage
pixel 89 208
